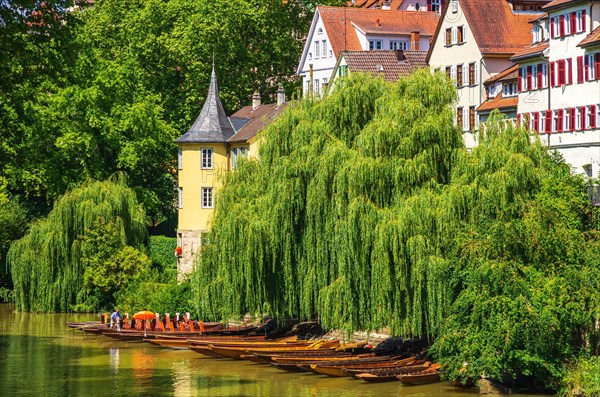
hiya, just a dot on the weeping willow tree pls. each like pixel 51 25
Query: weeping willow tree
pixel 47 265
pixel 366 211
pixel 342 216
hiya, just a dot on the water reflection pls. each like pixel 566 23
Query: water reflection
pixel 114 360
pixel 40 356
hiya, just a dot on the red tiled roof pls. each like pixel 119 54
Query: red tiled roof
pixel 497 30
pixel 591 39
pixel 260 117
pixel 508 74
pixel 535 50
pixel 560 4
pixel 339 23
pixel 499 103
pixel 394 4
pixel 389 64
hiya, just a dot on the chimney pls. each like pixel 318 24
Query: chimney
pixel 280 95
pixel 255 100
pixel 415 37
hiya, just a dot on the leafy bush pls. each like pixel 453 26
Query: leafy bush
pixel 161 253
pixel 583 378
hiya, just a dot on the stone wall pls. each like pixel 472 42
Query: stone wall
pixel 189 241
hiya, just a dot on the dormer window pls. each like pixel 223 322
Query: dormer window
pixel 320 31
pixel 538 34
pixel 375 44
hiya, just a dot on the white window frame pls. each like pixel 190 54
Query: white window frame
pixel 179 159
pixel 317 86
pixel 375 45
pixel 567 18
pixel 579 21
pixel 577 118
pixel 206 158
pixel 454 6
pixel 534 77
pixel 323 48
pixel 554 120
pixel 180 197
pixel 453 73
pixel 454 35
pixel 567 119
pixel 590 65
pixel 317 49
pixel 544 75
pixel 436 5
pixel 465 118
pixel 236 153
pixel 541 121
pixel 531 122
pixel 588 116
pixel 556 27
pixel 465 74
pixel 207 197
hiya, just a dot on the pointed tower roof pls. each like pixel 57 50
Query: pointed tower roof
pixel 212 125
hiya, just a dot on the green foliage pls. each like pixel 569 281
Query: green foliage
pixel 162 251
pixel 371 218
pixel 14 220
pixel 109 264
pixel 526 275
pixel 151 292
pixel 583 378
pixel 332 219
pixel 48 265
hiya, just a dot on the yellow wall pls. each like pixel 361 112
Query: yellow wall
pixel 192 178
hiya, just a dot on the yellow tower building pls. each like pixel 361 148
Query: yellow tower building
pixel 208 149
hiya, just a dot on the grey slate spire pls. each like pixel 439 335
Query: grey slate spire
pixel 212 125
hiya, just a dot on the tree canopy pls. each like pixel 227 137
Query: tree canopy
pixel 373 218
pixel 86 94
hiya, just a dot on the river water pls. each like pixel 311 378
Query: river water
pixel 40 356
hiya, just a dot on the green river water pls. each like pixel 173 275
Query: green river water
pixel 40 356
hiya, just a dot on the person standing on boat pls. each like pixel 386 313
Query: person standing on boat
pixel 116 318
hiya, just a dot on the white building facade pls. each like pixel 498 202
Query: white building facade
pixel 337 29
pixel 559 82
pixel 471 45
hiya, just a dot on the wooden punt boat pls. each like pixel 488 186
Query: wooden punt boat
pixel 267 358
pixel 290 367
pixel 205 351
pixel 387 375
pixel 340 370
pixel 236 352
pixel 429 375
pixel 85 324
pixel 332 358
pixel 310 366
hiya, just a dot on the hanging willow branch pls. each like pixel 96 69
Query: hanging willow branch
pixel 338 217
pixel 46 264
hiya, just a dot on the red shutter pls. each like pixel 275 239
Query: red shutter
pixel 552 73
pixel 561 120
pixel 573 22
pixel 562 25
pixel 580 69
pixel 593 116
pixel 552 29
pixel 548 123
pixel 428 5
pixel 583 23
pixel 536 121
pixel 520 83
pixel 582 116
pixel 569 70
pixel 529 78
pixel 540 77
pixel 561 72
pixel 597 65
pixel 572 118
pixel 586 70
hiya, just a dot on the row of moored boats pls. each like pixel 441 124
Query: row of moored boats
pixel 325 357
